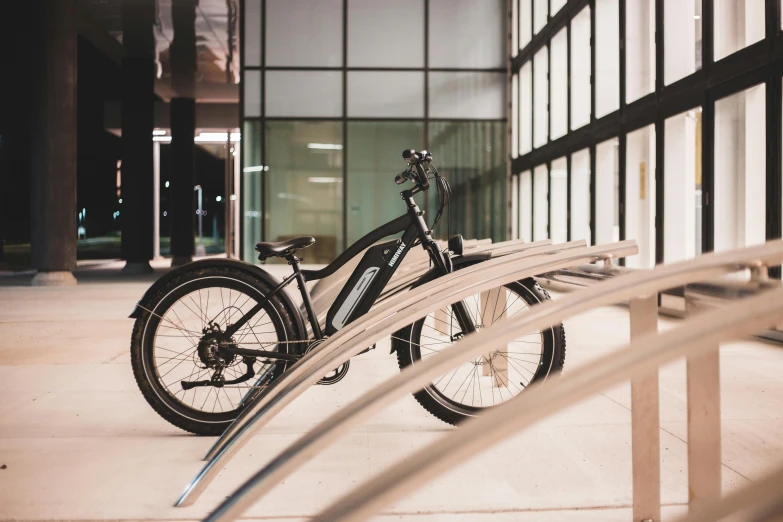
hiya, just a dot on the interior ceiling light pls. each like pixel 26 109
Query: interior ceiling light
pixel 159 132
pixel 164 139
pixel 255 168
pixel 325 146
pixel 318 179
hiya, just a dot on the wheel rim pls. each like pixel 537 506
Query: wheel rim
pixel 491 378
pixel 173 333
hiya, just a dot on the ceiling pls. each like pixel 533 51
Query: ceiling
pixel 216 80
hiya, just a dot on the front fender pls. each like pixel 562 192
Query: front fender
pixel 252 270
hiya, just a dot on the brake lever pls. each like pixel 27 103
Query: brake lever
pixel 401 177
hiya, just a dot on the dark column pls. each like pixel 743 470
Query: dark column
pixel 53 143
pixel 138 98
pixel 182 55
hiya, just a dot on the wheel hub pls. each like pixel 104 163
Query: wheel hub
pixel 211 350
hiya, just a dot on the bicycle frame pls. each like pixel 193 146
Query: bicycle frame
pixel 362 289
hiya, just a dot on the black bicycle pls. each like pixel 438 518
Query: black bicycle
pixel 212 334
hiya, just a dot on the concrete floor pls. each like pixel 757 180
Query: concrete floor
pixel 79 442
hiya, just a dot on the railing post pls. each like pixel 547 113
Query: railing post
pixel 645 421
pixel 704 446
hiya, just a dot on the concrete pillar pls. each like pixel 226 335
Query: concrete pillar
pixel 138 96
pixel 53 143
pixel 182 55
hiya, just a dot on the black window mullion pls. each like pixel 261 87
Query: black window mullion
pixel 345 124
pixel 592 194
pixel 774 92
pixel 568 130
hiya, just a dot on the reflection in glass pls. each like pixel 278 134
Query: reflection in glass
pixel 304 185
pixel 540 14
pixel 682 45
pixel 738 23
pixel 319 33
pixel 373 161
pixel 740 169
pixel 525 208
pixel 580 69
pixel 640 195
pixel 639 49
pixel 525 22
pixel 607 172
pixel 558 179
pixel 252 189
pixel 374 42
pixel 540 203
pixel 526 108
pixel 540 98
pixel 470 95
pixel 607 56
pixel 580 195
pixel 453 38
pixel 682 186
pixel 251 52
pixel 559 84
pixel 515 116
pixel 472 156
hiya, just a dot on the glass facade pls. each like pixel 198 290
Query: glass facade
pixel 655 148
pixel 327 114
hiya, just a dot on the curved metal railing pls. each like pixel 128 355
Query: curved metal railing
pixel 396 313
pixel 417 376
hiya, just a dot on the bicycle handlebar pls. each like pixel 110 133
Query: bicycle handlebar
pixel 415 160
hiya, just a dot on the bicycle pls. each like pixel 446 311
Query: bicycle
pixel 196 371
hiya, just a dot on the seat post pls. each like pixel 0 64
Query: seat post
pixel 308 303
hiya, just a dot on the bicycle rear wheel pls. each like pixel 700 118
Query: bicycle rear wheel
pixel 188 380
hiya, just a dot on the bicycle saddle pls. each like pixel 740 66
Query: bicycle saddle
pixel 283 248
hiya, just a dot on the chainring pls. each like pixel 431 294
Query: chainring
pixel 337 374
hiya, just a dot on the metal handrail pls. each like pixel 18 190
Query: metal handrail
pixel 694 336
pixel 394 305
pixel 420 374
pixel 395 314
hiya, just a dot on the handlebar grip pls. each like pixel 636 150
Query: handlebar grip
pixel 408 154
pixel 400 178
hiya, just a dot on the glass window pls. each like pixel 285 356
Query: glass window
pixel 252 33
pixel 682 39
pixel 514 28
pixel 607 174
pixel 373 161
pixel 468 95
pixel 639 49
pixel 514 116
pixel 374 34
pixel 607 56
pixel 319 33
pixel 682 186
pixel 454 40
pixel 472 156
pixel 640 195
pixel 515 207
pixel 394 94
pixel 540 14
pixel 304 94
pixel 252 189
pixel 525 208
pixel 559 84
pixel 526 108
pixel 580 195
pixel 252 93
pixel 540 98
pixel 525 22
pixel 740 169
pixel 305 185
pixel 580 69
pixel 540 203
pixel 557 5
pixel 738 23
pixel 558 211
